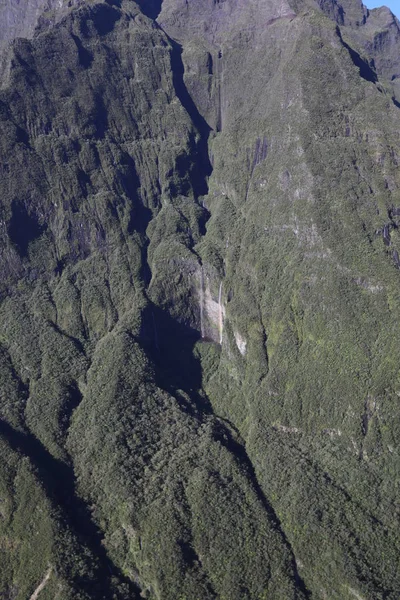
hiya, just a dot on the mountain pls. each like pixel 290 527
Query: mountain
pixel 199 300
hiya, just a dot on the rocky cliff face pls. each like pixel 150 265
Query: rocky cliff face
pixel 21 19
pixel 199 215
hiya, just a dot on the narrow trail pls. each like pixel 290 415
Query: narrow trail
pixel 42 585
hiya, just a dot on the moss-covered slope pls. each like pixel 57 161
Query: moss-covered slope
pixel 199 305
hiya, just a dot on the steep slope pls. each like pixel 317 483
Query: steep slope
pixel 98 116
pixel 20 19
pixel 303 200
pixel 199 302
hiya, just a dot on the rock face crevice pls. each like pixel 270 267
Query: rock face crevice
pixel 366 72
pixel 201 167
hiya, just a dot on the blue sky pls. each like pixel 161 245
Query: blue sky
pixel 394 5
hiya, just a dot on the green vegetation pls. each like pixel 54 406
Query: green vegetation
pixel 199 306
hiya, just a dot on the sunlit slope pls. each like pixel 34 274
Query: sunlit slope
pixel 200 305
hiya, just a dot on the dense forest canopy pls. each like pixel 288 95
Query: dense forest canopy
pixel 199 300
